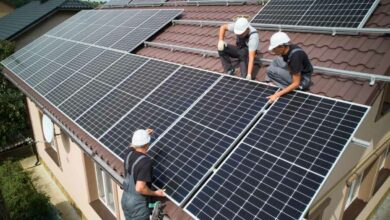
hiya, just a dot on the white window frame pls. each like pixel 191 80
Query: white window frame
pixel 103 184
pixel 385 154
pixel 354 190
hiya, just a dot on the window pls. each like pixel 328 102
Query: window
pixel 105 190
pixel 353 190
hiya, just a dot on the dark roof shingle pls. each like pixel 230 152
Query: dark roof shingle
pixel 31 13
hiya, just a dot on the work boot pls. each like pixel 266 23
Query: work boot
pixel 231 71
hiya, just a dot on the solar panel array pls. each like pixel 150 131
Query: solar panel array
pixel 117 29
pixel 328 13
pixel 276 170
pixel 201 122
pixel 117 3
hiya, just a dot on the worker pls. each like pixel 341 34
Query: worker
pixel 291 69
pixel 138 177
pixel 247 43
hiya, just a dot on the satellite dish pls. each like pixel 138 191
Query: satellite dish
pixel 48 128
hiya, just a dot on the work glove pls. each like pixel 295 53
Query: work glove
pixel 248 76
pixel 221 45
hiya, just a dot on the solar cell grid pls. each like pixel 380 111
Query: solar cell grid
pixel 133 39
pixel 100 63
pixel 49 47
pixel 122 17
pixel 83 58
pixel 59 50
pixel 106 112
pixel 85 97
pixel 32 69
pixel 329 13
pixel 147 78
pixel 43 73
pixel 26 63
pixel 308 131
pixel 69 86
pixel 144 115
pixel 114 36
pixel 184 156
pixel 71 53
pixel 140 18
pixel 53 80
pixel 182 89
pixel 101 32
pixel 254 185
pixel 230 105
pixel 121 69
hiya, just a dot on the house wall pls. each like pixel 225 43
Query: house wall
pixel 71 173
pixel 334 188
pixel 41 28
pixel 5 9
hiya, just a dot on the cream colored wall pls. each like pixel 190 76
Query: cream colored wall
pixel 5 9
pixel 371 131
pixel 71 175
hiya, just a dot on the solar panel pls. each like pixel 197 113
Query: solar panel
pixel 53 79
pixel 182 89
pixel 279 166
pixel 143 116
pixel 106 112
pixel 119 29
pixel 117 2
pixel 147 78
pixel 328 13
pixel 100 63
pixel 42 74
pixel 84 98
pixel 184 157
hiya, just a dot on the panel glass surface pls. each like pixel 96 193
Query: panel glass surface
pixel 325 13
pixel 143 116
pixel 106 112
pixel 182 89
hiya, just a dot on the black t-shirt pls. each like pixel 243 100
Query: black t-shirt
pixel 299 61
pixel 143 169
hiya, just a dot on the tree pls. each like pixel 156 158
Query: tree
pixel 13 117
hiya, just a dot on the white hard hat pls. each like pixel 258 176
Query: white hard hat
pixel 140 138
pixel 241 25
pixel 278 39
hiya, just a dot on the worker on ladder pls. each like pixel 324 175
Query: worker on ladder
pixel 138 178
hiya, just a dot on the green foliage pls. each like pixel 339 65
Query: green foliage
pixel 13 118
pixel 94 4
pixel 20 198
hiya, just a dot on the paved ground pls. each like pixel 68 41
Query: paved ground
pixel 383 211
pixel 43 181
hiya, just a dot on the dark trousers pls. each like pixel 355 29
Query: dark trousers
pixel 242 56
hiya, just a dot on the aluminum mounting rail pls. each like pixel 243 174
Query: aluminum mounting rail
pixel 311 29
pixel 324 70
pixel 181 3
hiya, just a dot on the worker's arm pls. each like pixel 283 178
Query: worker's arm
pixel 252 55
pixel 222 31
pixel 143 189
pixel 296 79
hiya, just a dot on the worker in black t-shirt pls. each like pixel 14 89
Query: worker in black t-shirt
pixel 291 69
pixel 137 183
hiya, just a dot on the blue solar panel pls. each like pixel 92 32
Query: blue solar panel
pixel 184 157
pixel 143 116
pixel 340 13
pixel 276 170
pixel 182 89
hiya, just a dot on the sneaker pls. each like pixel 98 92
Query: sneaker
pixel 231 71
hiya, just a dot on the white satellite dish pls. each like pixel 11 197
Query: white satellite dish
pixel 48 128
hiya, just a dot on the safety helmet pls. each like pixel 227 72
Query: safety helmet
pixel 241 25
pixel 278 39
pixel 140 138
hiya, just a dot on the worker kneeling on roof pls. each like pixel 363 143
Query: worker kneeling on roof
pixel 247 43
pixel 138 178
pixel 291 69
